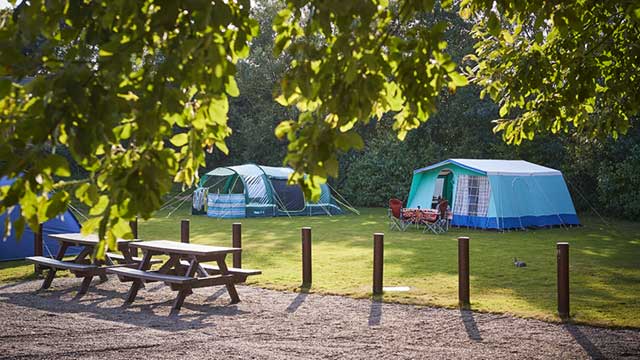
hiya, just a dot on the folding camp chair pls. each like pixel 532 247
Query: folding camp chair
pixel 432 222
pixel 396 222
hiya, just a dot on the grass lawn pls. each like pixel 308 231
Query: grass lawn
pixel 605 262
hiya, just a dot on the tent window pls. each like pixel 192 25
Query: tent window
pixel 472 196
pixel 256 190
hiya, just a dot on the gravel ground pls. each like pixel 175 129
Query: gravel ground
pixel 267 324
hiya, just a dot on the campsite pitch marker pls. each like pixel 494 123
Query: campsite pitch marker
pixel 236 242
pixel 184 231
pixel 306 257
pixel 562 252
pixel 378 262
pixel 463 272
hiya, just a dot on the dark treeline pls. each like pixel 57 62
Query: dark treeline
pixel 603 175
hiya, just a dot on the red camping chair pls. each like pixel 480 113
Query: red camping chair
pixel 396 222
pixel 433 222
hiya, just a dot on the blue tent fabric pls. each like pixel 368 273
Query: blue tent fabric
pixel 497 194
pixel 13 248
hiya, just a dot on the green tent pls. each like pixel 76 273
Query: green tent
pixel 257 191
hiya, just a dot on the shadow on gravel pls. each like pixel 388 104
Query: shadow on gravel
pixel 470 325
pixel 375 312
pixel 138 314
pixel 295 304
pixel 584 341
pixel 217 294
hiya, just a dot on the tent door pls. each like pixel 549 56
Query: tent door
pixel 289 197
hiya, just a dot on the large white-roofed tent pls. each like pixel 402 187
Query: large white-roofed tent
pixel 495 194
pixel 257 191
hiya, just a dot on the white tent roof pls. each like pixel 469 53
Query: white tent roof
pixel 497 167
pixel 252 170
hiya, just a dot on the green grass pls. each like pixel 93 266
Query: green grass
pixel 605 262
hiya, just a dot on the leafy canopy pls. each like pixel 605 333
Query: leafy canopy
pixel 558 65
pixel 137 91
pixel 551 65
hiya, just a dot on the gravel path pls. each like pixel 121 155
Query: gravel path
pixel 269 324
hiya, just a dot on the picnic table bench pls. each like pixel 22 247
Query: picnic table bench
pixel 241 274
pixel 184 270
pixel 81 265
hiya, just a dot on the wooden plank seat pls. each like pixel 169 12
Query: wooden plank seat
pixel 150 275
pixel 241 274
pixel 87 271
pixel 64 265
pixel 121 259
pixel 185 281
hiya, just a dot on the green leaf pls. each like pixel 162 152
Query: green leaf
pixel 493 24
pixel 104 53
pixel 222 147
pixel 283 129
pixel 458 79
pixel 57 204
pixel 5 87
pixel 180 139
pixel 231 87
pixel 504 110
pixel 129 96
pixel 57 165
pixel 218 109
pixel 99 207
pixel 90 225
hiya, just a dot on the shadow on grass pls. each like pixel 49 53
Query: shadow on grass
pixel 600 255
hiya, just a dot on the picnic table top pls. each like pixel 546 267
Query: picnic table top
pixel 78 238
pixel 174 247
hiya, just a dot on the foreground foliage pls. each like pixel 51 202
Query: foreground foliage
pixel 136 92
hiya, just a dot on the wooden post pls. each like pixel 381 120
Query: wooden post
pixel 236 242
pixel 306 256
pixel 562 250
pixel 184 231
pixel 133 224
pixel 38 247
pixel 463 272
pixel 378 262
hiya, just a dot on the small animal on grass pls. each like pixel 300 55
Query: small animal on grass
pixel 519 263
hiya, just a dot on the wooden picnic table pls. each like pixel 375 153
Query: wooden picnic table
pixel 184 270
pixel 82 265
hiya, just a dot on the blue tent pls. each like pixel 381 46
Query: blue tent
pixel 495 194
pixel 12 248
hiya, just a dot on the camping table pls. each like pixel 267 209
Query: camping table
pixel 183 271
pixel 81 265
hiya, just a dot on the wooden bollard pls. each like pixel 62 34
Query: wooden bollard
pixel 306 256
pixel 236 242
pixel 378 262
pixel 562 252
pixel 38 246
pixel 184 231
pixel 133 224
pixel 463 272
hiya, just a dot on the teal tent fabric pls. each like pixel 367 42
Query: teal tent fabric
pixel 496 194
